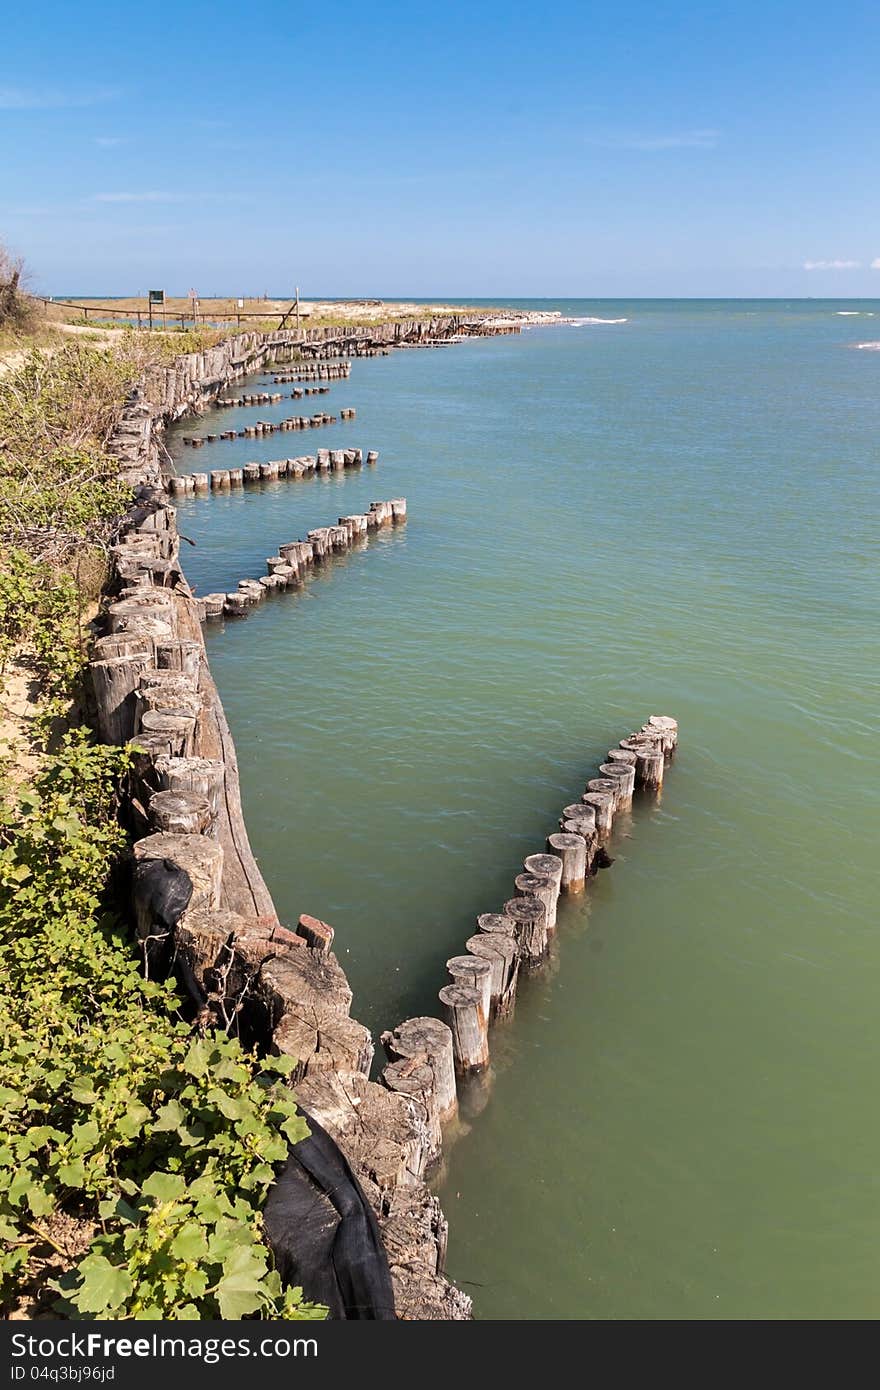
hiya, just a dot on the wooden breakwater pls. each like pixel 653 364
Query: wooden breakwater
pixel 377 339
pixel 261 427
pixel 194 380
pixel 229 479
pixel 296 560
pixel 318 371
pixel 267 397
pixel 200 904
pixel 429 1057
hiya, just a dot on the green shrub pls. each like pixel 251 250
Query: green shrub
pixel 110 1107
pixel 156 1145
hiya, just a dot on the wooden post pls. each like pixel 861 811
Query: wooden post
pixel 499 949
pixel 625 776
pixel 607 786
pixel 175 730
pixel 180 654
pixel 542 887
pixel 650 760
pixel 463 1011
pixel 416 1080
pixel 115 681
pixel 547 865
pixel 476 972
pixel 172 874
pixel 572 851
pixel 180 813
pixel 666 727
pixel 530 916
pixel 602 803
pixel 427 1040
pixel 203 776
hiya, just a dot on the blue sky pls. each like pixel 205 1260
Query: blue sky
pixel 443 149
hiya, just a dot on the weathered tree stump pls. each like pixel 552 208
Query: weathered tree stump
pixel 500 950
pixel 115 681
pixel 578 810
pixel 496 922
pixel 427 1039
pixel 473 971
pixel 416 1080
pixel 320 1039
pixel 464 1012
pixel 625 776
pixel 147 614
pixel 176 731
pixel 203 776
pixel 543 887
pixel 529 914
pixel 667 727
pixel 610 786
pixel 320 542
pixel 180 654
pixel 547 865
pixel 172 873
pixel 650 760
pixel 214 605
pixel 236 605
pixel 603 803
pixel 122 644
pixel 181 813
pixel 573 853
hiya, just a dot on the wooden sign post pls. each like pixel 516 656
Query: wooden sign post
pixel 156 297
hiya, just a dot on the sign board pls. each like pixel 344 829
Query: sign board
pixel 157 296
pixel 241 304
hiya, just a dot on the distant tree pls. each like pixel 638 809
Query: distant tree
pixel 15 305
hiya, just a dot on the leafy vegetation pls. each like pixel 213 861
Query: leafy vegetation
pixel 111 1109
pixel 135 1155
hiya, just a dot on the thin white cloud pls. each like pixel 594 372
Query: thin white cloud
pixel 675 140
pixel 148 197
pixel 110 142
pixel 52 98
pixel 832 265
pixel 875 264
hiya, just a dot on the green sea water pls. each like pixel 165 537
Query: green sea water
pixel 676 514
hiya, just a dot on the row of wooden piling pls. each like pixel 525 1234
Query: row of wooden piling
pixel 295 560
pixel 427 1056
pixel 252 398
pixel 314 371
pixel 268 397
pixel 260 427
pixel 230 479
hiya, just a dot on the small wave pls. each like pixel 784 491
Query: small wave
pixel 869 347
pixel 579 323
pixel 854 313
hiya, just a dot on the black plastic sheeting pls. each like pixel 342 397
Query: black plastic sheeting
pixel 324 1234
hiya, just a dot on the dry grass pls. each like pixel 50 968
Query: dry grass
pixel 256 314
